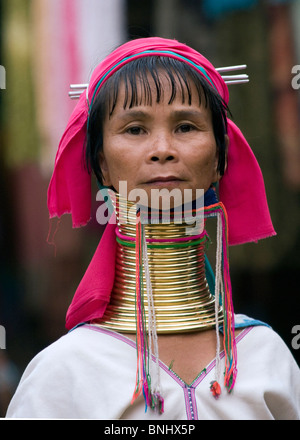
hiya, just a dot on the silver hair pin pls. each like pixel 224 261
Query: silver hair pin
pixel 78 89
pixel 233 79
pixel 230 68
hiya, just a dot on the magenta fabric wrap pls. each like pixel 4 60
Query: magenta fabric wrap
pixel 93 293
pixel 241 189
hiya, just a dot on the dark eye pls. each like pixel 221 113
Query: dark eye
pixel 185 128
pixel 135 130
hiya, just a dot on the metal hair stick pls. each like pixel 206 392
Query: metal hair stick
pixel 78 86
pixel 233 77
pixel 78 89
pixel 230 68
pixel 238 81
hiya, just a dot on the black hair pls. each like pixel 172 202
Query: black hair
pixel 180 75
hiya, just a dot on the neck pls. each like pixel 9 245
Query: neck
pixel 176 271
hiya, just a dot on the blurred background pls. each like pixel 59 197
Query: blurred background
pixel 45 45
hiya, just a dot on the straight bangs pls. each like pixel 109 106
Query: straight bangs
pixel 142 79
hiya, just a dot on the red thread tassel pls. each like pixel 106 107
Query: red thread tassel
pixel 215 389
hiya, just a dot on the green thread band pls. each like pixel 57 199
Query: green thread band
pixel 164 245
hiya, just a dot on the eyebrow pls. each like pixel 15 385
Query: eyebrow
pixel 176 114
pixel 132 113
pixel 188 113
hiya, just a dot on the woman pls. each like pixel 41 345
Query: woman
pixel 154 335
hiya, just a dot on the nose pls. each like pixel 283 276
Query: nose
pixel 162 149
pixel 162 158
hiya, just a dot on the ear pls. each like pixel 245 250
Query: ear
pixel 217 174
pixel 104 170
pixel 226 150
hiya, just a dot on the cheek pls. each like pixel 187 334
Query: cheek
pixel 204 165
pixel 120 166
pixel 121 163
pixel 205 159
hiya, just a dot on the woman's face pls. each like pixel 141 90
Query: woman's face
pixel 160 146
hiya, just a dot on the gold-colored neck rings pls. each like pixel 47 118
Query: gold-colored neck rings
pixel 176 261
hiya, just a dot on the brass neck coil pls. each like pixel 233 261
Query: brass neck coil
pixel 182 299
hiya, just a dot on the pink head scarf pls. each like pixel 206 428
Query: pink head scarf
pixel 241 189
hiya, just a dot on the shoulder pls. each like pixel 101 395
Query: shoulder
pixel 262 348
pixel 266 366
pixel 242 321
pixel 82 363
pixel 262 334
pixel 83 346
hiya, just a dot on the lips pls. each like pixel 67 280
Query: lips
pixel 164 179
